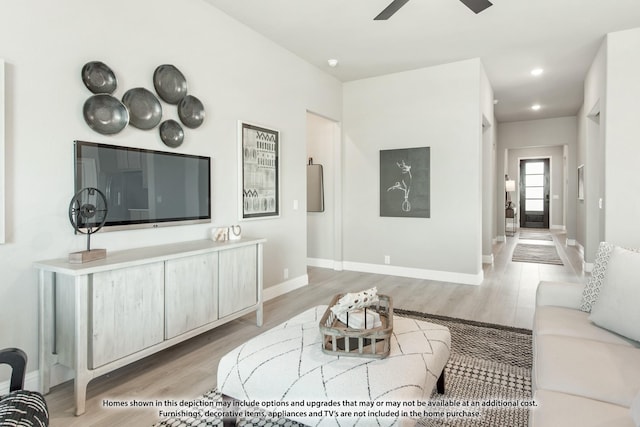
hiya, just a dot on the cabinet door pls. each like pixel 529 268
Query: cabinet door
pixel 238 279
pixel 127 307
pixel 191 293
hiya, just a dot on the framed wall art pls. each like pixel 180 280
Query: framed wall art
pixel 405 182
pixel 259 153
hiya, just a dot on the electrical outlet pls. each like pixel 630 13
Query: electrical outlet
pixel 286 273
pixel 387 259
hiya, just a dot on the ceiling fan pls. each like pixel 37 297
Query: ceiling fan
pixel 476 6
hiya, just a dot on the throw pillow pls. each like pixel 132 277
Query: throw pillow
pixel 617 306
pixel 635 409
pixel 592 290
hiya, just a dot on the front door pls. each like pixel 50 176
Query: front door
pixel 534 193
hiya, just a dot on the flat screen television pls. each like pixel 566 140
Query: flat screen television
pixel 145 188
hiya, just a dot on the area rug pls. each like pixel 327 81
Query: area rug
pixel 488 376
pixel 535 235
pixel 539 254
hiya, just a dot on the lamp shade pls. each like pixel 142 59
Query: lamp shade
pixel 510 185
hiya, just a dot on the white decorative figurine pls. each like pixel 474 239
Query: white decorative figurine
pixel 354 301
pixel 349 309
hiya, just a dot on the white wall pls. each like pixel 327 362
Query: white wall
pixel 236 73
pixel 488 169
pixel 590 152
pixel 608 146
pixel 609 149
pixel 622 135
pixel 556 132
pixel 2 162
pixel 438 107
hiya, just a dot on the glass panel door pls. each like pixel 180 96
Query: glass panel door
pixel 534 193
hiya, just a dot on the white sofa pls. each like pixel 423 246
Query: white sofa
pixel 583 373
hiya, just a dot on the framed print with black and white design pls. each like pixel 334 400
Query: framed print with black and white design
pixel 259 153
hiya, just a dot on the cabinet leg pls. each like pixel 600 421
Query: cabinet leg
pixel 45 329
pixel 82 374
pixel 259 315
pixel 80 393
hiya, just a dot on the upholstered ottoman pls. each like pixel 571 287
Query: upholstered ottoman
pixel 284 370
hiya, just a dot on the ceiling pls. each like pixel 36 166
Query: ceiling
pixel 511 38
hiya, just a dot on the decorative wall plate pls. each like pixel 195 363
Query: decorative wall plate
pixel 191 111
pixel 171 133
pixel 105 114
pixel 170 83
pixel 98 77
pixel 144 108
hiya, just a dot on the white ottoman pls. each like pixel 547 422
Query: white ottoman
pixel 286 364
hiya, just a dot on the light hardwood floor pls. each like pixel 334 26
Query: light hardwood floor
pixel 188 370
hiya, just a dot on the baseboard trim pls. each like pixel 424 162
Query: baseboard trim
pixel 587 267
pixel 319 262
pixel 31 382
pixel 417 273
pixel 285 287
pixel 325 263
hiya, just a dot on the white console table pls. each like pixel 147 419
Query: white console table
pixel 99 316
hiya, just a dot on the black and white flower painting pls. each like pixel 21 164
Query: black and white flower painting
pixel 405 182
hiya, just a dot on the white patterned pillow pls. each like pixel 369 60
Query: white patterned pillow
pixel 592 290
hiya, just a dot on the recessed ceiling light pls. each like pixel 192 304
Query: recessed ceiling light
pixel 495 101
pixel 535 107
pixel 332 62
pixel 537 71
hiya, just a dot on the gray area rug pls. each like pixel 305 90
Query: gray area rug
pixel 535 235
pixel 539 254
pixel 488 375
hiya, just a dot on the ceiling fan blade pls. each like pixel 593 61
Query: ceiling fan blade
pixel 477 5
pixel 390 10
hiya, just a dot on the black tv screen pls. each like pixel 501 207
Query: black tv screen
pixel 145 188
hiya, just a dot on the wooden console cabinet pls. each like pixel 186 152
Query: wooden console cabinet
pixel 99 316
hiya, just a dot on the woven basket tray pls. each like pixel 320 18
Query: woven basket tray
pixel 339 340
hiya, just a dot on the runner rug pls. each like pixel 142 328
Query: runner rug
pixel 535 235
pixel 488 374
pixel 539 254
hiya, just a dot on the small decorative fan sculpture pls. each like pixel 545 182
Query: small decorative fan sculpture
pixel 87 214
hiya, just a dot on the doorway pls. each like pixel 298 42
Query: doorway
pixel 324 230
pixel 534 193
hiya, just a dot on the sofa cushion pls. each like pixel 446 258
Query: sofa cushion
pixel 561 294
pixel 618 306
pixel 596 370
pixel 560 409
pixel 549 320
